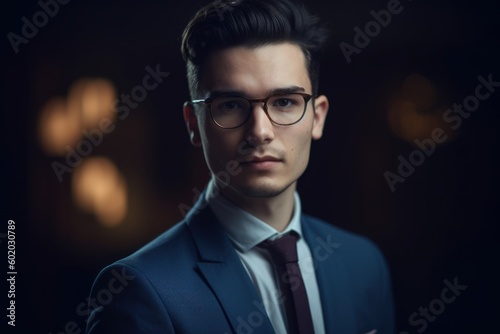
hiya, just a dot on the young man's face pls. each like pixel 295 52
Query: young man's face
pixel 262 159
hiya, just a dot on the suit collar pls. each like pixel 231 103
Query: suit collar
pixel 208 235
pixel 333 280
pixel 224 273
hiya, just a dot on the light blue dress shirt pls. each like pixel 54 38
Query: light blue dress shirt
pixel 246 232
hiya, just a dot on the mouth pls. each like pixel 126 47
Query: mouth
pixel 260 162
pixel 257 159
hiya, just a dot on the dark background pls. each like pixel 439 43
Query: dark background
pixel 439 224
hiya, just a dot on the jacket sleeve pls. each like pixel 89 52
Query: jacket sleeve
pixel 122 300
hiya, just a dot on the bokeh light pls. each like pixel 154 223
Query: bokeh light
pixel 62 120
pixel 414 112
pixel 58 128
pixel 419 90
pixel 99 188
pixel 92 99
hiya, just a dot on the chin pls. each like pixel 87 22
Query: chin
pixel 260 189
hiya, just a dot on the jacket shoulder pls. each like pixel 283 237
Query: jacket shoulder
pixel 321 227
pixel 355 251
pixel 363 266
pixel 174 247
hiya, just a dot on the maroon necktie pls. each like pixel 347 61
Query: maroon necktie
pixel 284 254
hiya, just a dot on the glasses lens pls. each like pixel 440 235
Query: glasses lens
pixel 230 111
pixel 286 109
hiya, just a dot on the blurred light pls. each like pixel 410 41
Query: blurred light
pixel 99 188
pixel 419 90
pixel 58 128
pixel 413 113
pixel 62 121
pixel 92 99
pixel 408 124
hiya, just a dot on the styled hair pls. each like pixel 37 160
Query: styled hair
pixel 229 23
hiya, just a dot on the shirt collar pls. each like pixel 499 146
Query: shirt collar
pixel 244 229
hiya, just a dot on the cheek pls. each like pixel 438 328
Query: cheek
pixel 209 133
pixel 300 150
pixel 219 145
pixel 209 142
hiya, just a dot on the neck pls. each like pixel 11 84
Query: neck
pixel 277 211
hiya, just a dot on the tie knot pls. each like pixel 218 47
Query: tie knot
pixel 283 250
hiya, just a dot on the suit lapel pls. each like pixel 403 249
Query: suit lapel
pixel 333 282
pixel 222 269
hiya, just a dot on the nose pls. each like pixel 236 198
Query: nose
pixel 260 129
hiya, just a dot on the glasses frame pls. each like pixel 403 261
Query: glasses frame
pixel 208 103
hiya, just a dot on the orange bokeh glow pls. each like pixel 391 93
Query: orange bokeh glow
pixel 58 128
pixel 99 188
pixel 413 112
pixel 62 120
pixel 92 99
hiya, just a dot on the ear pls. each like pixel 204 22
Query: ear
pixel 192 124
pixel 321 106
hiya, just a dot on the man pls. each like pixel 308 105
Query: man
pixel 245 259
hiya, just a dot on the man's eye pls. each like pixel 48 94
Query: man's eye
pixel 230 105
pixel 284 102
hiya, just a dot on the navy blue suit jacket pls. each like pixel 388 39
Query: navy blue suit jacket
pixel 191 280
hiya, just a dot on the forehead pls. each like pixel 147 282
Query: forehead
pixel 256 70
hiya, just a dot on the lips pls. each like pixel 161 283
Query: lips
pixel 265 163
pixel 256 159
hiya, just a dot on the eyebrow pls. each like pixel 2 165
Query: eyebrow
pixel 281 90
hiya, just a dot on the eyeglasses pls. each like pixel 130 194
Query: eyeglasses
pixel 230 112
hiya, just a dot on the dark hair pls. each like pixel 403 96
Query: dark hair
pixel 253 23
